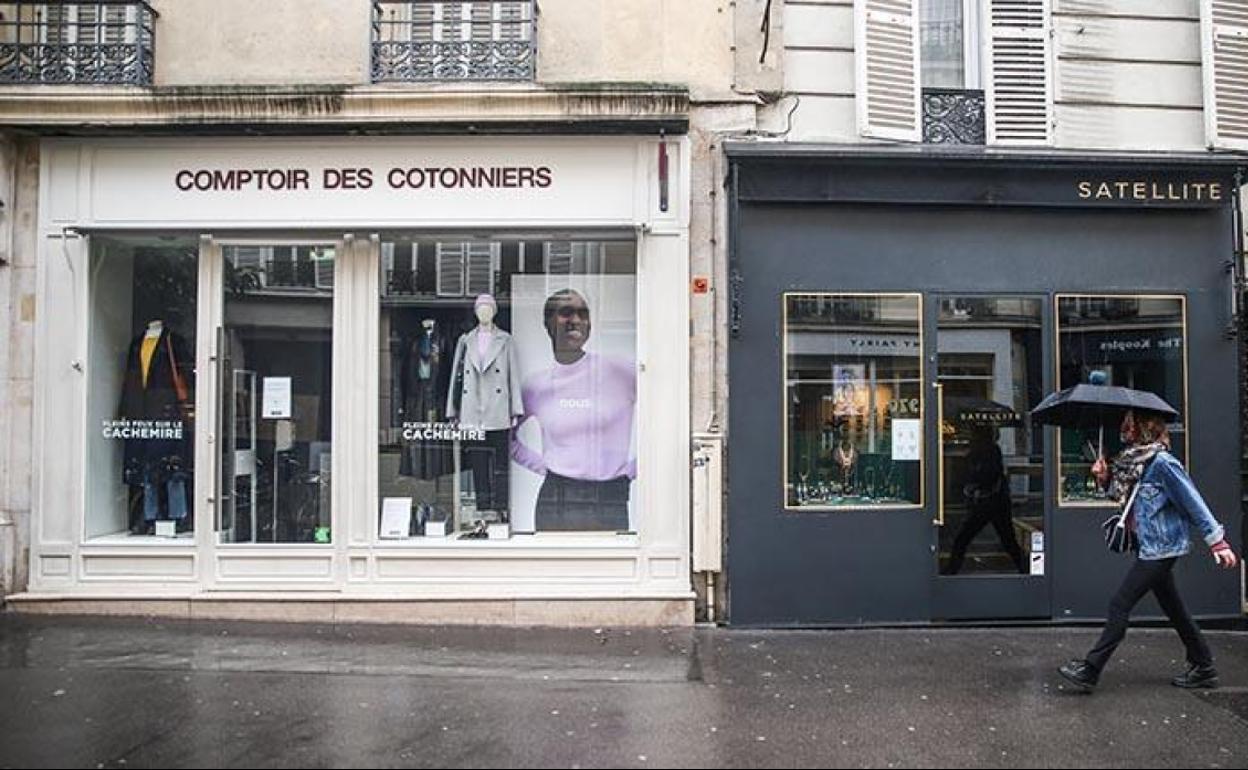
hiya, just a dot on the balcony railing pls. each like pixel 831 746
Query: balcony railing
pixel 436 40
pixel 953 116
pixel 96 42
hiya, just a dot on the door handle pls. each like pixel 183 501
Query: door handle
pixel 940 454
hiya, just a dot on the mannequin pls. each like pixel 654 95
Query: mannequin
pixel 157 389
pixel 485 393
pixel 424 378
pixel 428 354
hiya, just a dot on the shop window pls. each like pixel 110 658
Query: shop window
pixel 1135 341
pixel 141 387
pixel 853 401
pixel 508 387
pixel 276 394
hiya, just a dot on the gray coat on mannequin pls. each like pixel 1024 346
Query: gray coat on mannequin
pixel 489 385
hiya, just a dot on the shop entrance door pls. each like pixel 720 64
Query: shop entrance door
pixel 274 356
pixel 990 503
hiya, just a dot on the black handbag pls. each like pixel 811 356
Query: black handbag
pixel 1119 537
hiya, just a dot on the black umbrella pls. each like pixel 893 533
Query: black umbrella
pixel 1095 406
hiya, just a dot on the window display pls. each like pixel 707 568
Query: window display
pixel 141 456
pixel 853 400
pixel 1136 341
pixel 508 387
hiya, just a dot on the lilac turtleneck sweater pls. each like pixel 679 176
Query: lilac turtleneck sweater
pixel 585 411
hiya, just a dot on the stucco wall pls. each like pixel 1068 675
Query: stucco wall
pixel 245 42
pixel 19 160
pixel 326 42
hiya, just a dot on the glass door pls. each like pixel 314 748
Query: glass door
pixel 275 392
pixel 990 518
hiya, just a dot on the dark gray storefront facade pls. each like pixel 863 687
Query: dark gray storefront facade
pixel 895 313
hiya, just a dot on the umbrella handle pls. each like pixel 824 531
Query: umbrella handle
pixel 1100 443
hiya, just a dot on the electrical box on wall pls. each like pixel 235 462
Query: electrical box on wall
pixel 708 502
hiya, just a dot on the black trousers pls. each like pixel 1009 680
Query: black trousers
pixel 1158 577
pixel 998 512
pixel 489 461
pixel 573 504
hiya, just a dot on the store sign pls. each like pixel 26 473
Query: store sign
pixel 996 181
pixel 840 343
pixel 1124 345
pixel 396 178
pixel 346 182
pixel 894 345
pixel 1151 191
pixel 1141 344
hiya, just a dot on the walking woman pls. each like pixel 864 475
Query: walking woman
pixel 1166 503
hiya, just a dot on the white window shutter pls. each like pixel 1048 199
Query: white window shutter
pixel 1224 37
pixel 1018 81
pixel 511 22
pixel 451 279
pixel 479 272
pixel 886 61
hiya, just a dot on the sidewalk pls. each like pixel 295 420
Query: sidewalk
pixel 88 692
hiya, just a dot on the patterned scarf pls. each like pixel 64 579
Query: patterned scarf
pixel 1129 466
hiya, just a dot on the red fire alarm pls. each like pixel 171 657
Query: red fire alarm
pixel 701 285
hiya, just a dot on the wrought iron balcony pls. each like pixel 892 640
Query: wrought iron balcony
pixel 953 116
pixel 439 40
pixel 96 42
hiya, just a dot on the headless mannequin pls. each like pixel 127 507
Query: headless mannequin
pixel 160 476
pixel 489 462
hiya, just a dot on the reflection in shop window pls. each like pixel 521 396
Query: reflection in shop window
pixel 853 400
pixel 141 387
pixel 508 387
pixel 1138 342
pixel 989 366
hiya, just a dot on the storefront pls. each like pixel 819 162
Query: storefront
pixel 352 376
pixel 895 314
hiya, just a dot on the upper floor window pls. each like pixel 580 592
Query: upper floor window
pixel 431 40
pixel 949 46
pixel 91 42
pixel 954 71
pixel 949 43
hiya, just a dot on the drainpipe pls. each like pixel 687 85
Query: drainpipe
pixel 1238 255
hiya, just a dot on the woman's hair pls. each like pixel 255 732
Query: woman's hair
pixel 1150 427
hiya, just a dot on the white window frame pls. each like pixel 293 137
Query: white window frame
pixel 972 46
pixel 1210 36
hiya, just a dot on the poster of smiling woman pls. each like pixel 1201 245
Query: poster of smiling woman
pixel 574 460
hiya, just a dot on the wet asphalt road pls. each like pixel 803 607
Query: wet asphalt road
pixel 141 693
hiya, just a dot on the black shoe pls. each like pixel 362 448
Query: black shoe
pixel 1197 677
pixel 1081 674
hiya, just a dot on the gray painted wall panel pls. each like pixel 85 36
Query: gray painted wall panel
pixel 813 568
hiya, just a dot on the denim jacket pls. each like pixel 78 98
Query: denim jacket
pixel 1167 502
